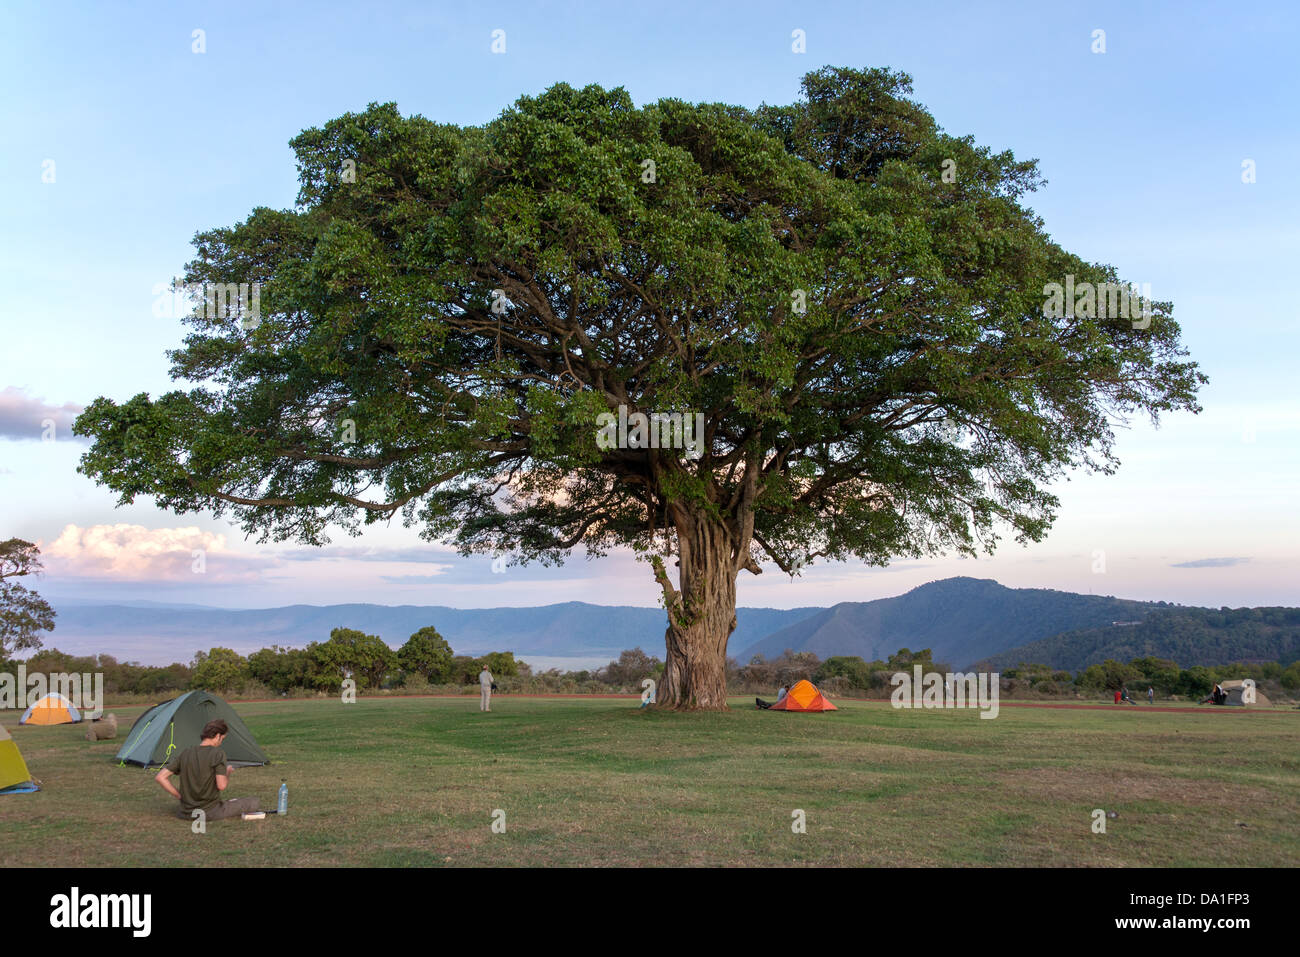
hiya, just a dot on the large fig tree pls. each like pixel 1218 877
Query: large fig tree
pixel 852 301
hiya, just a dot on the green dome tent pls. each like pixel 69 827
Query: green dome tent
pixel 176 724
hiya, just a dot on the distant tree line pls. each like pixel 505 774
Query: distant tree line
pixel 426 664
pixel 423 664
pixel 850 674
pixel 1168 679
pixel 843 673
pixel 1206 636
pixel 120 677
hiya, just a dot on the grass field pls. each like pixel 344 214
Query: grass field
pixel 599 782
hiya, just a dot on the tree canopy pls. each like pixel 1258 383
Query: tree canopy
pixel 426 653
pixel 222 670
pixel 350 651
pixel 23 613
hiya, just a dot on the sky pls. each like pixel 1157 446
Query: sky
pixel 122 140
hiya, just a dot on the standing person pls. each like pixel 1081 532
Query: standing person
pixel 1151 695
pixel 485 689
pixel 204 775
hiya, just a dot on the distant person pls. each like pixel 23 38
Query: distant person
pixel 1117 697
pixel 203 776
pixel 485 685
pixel 781 693
pixel 1151 695
pixel 1124 696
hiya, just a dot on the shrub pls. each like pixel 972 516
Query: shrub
pixel 631 668
pixel 502 664
pixel 855 672
pixel 367 657
pixel 837 685
pixel 281 669
pixel 426 653
pixel 255 689
pixel 219 670
pixel 415 683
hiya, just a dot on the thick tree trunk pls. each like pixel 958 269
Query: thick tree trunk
pixel 701 616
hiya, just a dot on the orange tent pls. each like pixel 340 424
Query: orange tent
pixel 52 709
pixel 804 696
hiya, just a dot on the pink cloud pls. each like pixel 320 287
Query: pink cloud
pixel 135 553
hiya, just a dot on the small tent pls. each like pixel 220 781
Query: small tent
pixel 176 724
pixel 14 776
pixel 52 709
pixel 1234 689
pixel 804 696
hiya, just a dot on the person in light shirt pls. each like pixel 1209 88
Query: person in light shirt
pixel 485 689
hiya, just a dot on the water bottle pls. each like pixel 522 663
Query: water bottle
pixel 282 803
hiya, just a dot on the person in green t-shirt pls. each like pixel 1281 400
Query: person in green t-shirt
pixel 203 774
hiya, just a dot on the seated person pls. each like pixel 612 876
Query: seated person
pixel 204 774
pixel 1216 696
pixel 780 695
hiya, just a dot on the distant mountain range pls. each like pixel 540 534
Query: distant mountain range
pixel 962 621
pixel 159 634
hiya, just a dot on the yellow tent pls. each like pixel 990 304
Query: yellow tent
pixel 13 769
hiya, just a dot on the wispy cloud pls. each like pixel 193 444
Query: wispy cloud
pixel 363 553
pixel 434 579
pixel 23 416
pixel 1210 563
